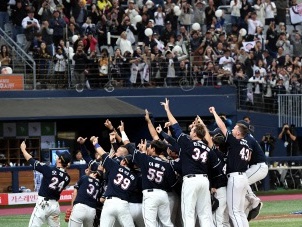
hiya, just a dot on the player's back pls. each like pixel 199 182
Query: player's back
pixel 258 155
pixel 121 181
pixel 156 173
pixel 193 155
pixel 89 190
pixel 238 154
pixel 53 182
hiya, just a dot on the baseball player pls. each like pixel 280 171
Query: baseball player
pixel 196 159
pixel 55 179
pixel 94 164
pixel 237 163
pixel 257 171
pixel 120 184
pixel 86 194
pixel 221 215
pixel 157 177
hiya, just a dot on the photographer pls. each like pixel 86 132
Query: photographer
pixel 289 136
pixel 268 144
pixel 30 26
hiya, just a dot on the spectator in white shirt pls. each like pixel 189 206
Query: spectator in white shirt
pixel 257 82
pixel 270 10
pixel 226 62
pixel 235 11
pixel 124 44
pixel 252 23
pixel 30 26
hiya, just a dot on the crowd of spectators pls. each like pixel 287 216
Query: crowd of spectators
pixel 111 39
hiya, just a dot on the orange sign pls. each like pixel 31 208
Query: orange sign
pixel 11 82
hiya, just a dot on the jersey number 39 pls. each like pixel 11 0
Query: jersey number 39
pixel 123 181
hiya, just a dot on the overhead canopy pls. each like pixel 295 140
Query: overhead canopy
pixel 66 108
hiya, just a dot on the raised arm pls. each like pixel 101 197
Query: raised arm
pixel 218 120
pixel 170 116
pixel 95 141
pixel 26 155
pixel 125 139
pixel 151 128
pixel 208 137
pixel 109 125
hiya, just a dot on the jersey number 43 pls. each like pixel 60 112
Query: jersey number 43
pixel 245 154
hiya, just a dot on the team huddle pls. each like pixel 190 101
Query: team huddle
pixel 173 180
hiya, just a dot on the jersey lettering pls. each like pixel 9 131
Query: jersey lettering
pixel 92 191
pixel 198 155
pixel 55 185
pixel 245 154
pixel 122 181
pixel 155 175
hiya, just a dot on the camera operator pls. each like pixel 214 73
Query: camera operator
pixel 268 144
pixel 30 26
pixel 289 136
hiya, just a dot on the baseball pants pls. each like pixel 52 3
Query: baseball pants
pixel 81 215
pixel 254 173
pixel 45 212
pixel 236 191
pixel 221 215
pixel 116 209
pixel 156 205
pixel 195 197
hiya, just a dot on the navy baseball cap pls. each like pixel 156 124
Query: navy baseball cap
pixel 215 132
pixel 65 156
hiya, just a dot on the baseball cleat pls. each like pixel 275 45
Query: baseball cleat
pixel 254 213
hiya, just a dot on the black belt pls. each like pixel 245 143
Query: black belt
pixel 150 190
pixel 238 173
pixel 47 199
pixel 194 175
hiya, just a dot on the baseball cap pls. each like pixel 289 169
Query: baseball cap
pixel 215 132
pixel 257 71
pixel 168 22
pixel 131 1
pixel 65 156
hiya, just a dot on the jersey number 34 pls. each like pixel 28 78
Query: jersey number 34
pixel 200 155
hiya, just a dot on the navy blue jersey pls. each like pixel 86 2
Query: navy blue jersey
pixel 239 154
pixel 136 196
pixel 156 173
pixel 89 191
pixel 193 154
pixel 258 155
pixel 54 179
pixel 120 179
pixel 219 180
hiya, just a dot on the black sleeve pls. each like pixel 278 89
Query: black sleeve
pixel 170 140
pixel 130 148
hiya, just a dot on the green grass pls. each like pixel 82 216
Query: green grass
pixel 290 222
pixel 271 209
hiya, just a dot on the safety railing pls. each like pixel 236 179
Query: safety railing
pixel 22 62
pixel 290 109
